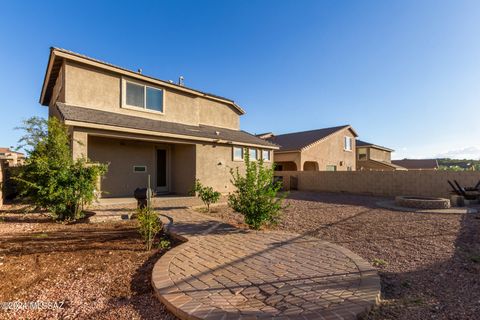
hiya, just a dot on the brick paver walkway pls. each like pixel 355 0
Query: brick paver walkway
pixel 222 272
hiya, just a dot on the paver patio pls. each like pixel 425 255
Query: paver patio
pixel 222 272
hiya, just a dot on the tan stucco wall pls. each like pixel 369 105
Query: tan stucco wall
pixel 330 152
pixel 217 114
pixel 286 159
pixel 120 179
pixel 381 183
pixel 213 166
pixel 372 165
pixel 183 168
pixel 380 155
pixel 326 152
pixel 102 90
pixel 210 164
pixel 286 166
pixel 79 144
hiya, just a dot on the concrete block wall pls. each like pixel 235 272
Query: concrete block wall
pixel 381 183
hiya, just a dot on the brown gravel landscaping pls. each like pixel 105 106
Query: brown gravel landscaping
pixel 429 263
pixel 98 271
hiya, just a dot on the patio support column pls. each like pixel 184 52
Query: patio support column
pixel 79 145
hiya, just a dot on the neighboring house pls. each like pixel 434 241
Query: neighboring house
pixel 374 157
pixel 11 158
pixel 417 164
pixel 328 149
pixel 144 126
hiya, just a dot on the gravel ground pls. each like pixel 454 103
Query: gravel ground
pixel 429 263
pixel 96 271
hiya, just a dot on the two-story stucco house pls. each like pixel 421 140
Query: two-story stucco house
pixel 372 157
pixel 327 149
pixel 144 126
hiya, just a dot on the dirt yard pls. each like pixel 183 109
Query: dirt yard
pixel 77 271
pixel 429 263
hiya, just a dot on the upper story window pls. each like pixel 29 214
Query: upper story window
pixel 266 155
pixel 362 154
pixel 143 96
pixel 237 153
pixel 347 143
pixel 253 153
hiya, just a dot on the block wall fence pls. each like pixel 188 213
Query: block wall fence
pixel 379 183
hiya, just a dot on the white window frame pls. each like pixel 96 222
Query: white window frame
pixel 145 85
pixel 233 154
pixel 345 139
pixel 269 155
pixel 139 166
pixel 256 158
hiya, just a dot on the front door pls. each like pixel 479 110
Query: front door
pixel 162 170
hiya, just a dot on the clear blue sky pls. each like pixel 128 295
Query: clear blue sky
pixel 404 74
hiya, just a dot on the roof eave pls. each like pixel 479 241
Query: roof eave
pixel 375 146
pixel 46 77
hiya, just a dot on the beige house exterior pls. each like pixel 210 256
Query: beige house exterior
pixel 11 158
pixel 327 149
pixel 372 157
pixel 144 126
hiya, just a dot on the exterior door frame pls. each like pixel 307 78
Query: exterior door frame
pixel 165 189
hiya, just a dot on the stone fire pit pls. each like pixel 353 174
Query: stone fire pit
pixel 422 202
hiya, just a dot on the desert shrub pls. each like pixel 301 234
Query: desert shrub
pixel 164 244
pixel 149 225
pixel 206 194
pixel 256 196
pixel 50 178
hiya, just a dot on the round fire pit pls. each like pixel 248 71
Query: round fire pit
pixel 422 202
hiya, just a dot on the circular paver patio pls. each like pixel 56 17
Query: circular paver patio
pixel 222 272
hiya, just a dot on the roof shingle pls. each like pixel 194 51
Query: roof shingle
pixel 299 140
pixel 74 113
pixel 417 163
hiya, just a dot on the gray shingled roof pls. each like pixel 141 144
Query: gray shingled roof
pixel 299 140
pixel 88 115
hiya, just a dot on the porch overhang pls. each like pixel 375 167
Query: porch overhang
pixel 89 118
pixel 152 136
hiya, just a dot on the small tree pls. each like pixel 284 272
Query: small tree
pixel 149 225
pixel 206 194
pixel 256 195
pixel 51 179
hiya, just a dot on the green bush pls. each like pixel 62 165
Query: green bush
pixel 149 225
pixel 256 195
pixel 51 179
pixel 206 194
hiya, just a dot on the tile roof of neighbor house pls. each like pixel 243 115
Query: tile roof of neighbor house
pixel 417 163
pixel 51 83
pixel 80 114
pixel 388 164
pixel 361 143
pixel 296 141
pixel 7 150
